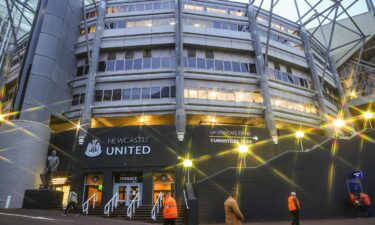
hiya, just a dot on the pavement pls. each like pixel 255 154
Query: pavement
pixel 54 217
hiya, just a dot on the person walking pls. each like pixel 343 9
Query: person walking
pixel 233 215
pixel 169 210
pixel 294 207
pixel 366 201
pixel 72 201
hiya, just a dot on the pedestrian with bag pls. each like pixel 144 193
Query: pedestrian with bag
pixel 72 202
pixel 294 207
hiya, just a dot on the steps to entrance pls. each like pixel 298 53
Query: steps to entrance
pixel 143 213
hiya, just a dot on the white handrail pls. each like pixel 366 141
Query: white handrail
pixel 112 203
pixel 156 208
pixel 86 204
pixel 186 201
pixel 131 208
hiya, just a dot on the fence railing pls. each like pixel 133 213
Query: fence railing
pixel 133 205
pixel 86 204
pixel 156 208
pixel 112 203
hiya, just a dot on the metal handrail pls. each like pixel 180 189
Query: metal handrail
pixel 86 204
pixel 156 208
pixel 112 203
pixel 131 208
pixel 186 201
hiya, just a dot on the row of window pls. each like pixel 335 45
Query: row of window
pixel 123 8
pixel 280 39
pixel 278 26
pixel 222 95
pixel 320 51
pixel 221 65
pixel 214 9
pixel 120 24
pixel 293 105
pixel 321 62
pixel 216 25
pixel 90 29
pixel 91 14
pixel 291 79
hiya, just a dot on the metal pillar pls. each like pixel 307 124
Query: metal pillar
pixel 91 76
pixel 180 107
pixel 315 78
pixel 261 70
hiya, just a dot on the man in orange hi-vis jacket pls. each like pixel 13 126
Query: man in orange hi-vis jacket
pixel 169 210
pixel 294 206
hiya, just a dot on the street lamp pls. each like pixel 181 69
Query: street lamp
pixel 187 165
pixel 338 123
pixel 299 136
pixel 368 116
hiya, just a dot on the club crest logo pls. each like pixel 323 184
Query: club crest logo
pixel 93 149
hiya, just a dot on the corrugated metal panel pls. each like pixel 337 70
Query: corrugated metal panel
pixel 366 23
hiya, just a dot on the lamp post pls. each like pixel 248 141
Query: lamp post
pixel 299 136
pixel 368 116
pixel 243 149
pixel 187 165
pixel 338 124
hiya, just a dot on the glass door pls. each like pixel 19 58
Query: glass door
pixel 127 192
pixel 134 189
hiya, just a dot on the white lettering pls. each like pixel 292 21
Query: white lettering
pixel 109 153
pixel 146 150
pixel 138 150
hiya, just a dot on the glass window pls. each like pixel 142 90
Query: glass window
pixel 128 64
pixel 148 6
pixel 233 27
pixel 193 93
pixel 285 77
pixel 116 95
pixel 201 62
pixel 86 70
pixel 165 92
pixel 157 5
pixel 192 62
pixel 221 95
pixel 146 63
pixel 75 100
pixel 218 64
pixel 131 8
pixel 276 65
pixel 137 64
pixel 140 7
pixel 230 95
pixel 101 66
pixel 147 53
pixel 165 5
pixel 217 25
pixel 253 68
pixel 173 91
pixel 166 62
pixel 121 24
pixel 236 66
pixel 185 62
pixel 227 66
pixel 107 95
pixel 119 65
pixel 173 62
pixel 98 95
pixel 155 63
pixel 126 94
pixel 136 93
pixel 129 54
pixel 192 53
pixel 289 69
pixel 155 92
pixel 202 93
pixel 209 54
pixel 110 65
pixel 245 67
pixel 279 75
pixel 212 94
pixel 111 56
pixel 146 93
pixel 82 98
pixel 210 63
pixel 296 81
pixel 80 71
pixel 225 26
pixel 124 8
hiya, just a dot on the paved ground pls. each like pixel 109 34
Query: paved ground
pixel 50 217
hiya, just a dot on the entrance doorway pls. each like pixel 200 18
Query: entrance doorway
pixel 127 192
pixel 93 185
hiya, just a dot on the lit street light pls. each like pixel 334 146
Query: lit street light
pixel 243 149
pixel 187 165
pixel 368 116
pixel 338 123
pixel 299 136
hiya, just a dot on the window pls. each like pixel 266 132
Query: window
pixel 227 66
pixel 166 62
pixel 173 91
pixel 209 54
pixel 136 93
pixel 156 63
pixel 155 92
pixel 128 64
pixel 210 63
pixel 111 56
pixel 201 63
pixel 121 24
pixel 101 66
pixel 119 65
pixel 111 65
pixel 137 64
pixel 245 68
pixel 129 54
pixel 146 93
pixel 218 64
pixel 82 98
pixel 147 53
pixel 148 6
pixel 165 92
pixel 75 100
pixel 217 25
pixel 107 95
pixel 98 95
pixel 80 71
pixel 192 53
pixel 147 63
pixel 253 68
pixel 126 94
pixel 192 62
pixel 116 96
pixel 236 66
pixel 276 65
pixel 157 5
pixel 86 70
pixel 289 69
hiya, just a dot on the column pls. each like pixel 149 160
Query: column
pixel 261 71
pixel 180 107
pixel 315 79
pixel 91 76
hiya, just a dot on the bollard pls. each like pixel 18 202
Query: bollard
pixel 7 203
